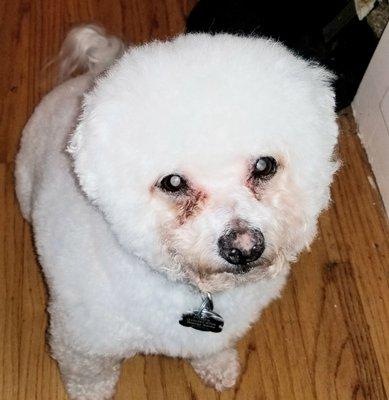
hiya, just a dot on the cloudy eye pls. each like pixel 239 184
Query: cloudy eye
pixel 173 183
pixel 265 168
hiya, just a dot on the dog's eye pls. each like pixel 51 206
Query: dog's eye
pixel 173 183
pixel 265 168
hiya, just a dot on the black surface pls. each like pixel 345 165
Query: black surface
pixel 326 31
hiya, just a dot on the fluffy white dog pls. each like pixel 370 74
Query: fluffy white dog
pixel 188 169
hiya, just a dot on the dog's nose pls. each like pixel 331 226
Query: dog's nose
pixel 241 246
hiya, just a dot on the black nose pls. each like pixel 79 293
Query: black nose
pixel 241 246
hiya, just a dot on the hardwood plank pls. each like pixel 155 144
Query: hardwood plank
pixel 325 338
pixel 364 239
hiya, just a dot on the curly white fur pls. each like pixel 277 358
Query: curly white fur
pixel 88 48
pixel 123 259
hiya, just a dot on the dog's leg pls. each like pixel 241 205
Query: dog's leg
pixel 219 370
pixel 86 377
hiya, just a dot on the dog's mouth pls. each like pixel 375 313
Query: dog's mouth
pixel 220 275
pixel 213 280
pixel 241 269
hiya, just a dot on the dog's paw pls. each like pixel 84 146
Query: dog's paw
pixel 219 370
pixel 99 387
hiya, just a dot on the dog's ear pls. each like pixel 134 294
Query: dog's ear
pixel 324 93
pixel 86 149
pixel 323 83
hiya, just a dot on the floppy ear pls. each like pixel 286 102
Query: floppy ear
pixel 324 97
pixel 103 156
pixel 85 149
pixel 325 80
pixel 322 82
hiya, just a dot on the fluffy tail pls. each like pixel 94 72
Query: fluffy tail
pixel 87 48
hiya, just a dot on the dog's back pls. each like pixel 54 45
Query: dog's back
pixel 89 50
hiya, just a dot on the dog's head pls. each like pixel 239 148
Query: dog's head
pixel 209 156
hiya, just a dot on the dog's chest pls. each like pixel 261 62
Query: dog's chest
pixel 144 312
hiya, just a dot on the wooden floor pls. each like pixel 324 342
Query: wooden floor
pixel 326 338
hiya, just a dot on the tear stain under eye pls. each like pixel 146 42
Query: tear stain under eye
pixel 189 206
pixel 255 187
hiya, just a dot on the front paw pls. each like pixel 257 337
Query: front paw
pixel 219 370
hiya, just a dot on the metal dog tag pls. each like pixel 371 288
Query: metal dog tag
pixel 204 319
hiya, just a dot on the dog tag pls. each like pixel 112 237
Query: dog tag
pixel 203 319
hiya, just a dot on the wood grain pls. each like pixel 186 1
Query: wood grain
pixel 326 338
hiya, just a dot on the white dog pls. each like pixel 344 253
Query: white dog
pixel 188 169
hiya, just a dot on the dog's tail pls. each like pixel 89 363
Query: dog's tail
pixel 87 48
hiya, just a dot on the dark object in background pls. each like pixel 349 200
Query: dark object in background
pixel 327 31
